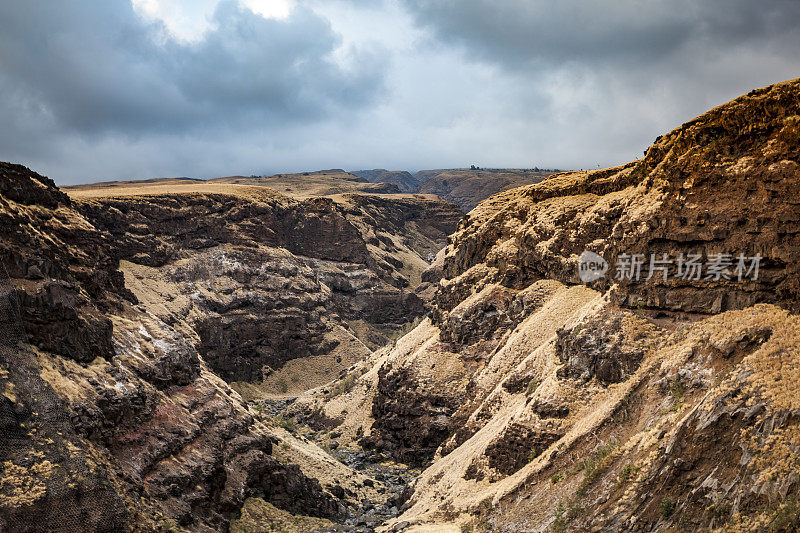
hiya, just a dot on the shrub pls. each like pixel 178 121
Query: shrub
pixel 559 522
pixel 344 386
pixel 289 424
pixel 283 386
pixel 628 472
pixel 565 513
pixel 535 452
pixel 787 517
pixel 666 508
pixel 677 388
pixel 595 466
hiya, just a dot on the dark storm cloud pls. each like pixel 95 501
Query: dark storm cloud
pixel 615 74
pixel 96 67
pixel 91 90
pixel 624 32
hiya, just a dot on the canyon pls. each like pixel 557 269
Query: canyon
pixel 318 352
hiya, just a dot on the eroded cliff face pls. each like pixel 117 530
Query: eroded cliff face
pixel 263 279
pixel 111 418
pixel 723 183
pixel 67 274
pixel 540 403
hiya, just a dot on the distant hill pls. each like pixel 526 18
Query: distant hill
pixel 424 175
pixel 469 187
pixel 405 181
pixel 465 187
pixel 318 183
pixel 299 185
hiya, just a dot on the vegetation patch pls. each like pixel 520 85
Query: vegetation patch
pixel 564 513
pixel 787 517
pixel 666 508
pixel 596 465
pixel 289 424
pixel 21 486
pixel 628 473
pixel 532 386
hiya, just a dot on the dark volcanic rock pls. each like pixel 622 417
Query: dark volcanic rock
pixel 25 187
pixel 156 230
pixel 599 348
pixel 410 423
pixel 53 322
pixel 237 347
pixel 71 268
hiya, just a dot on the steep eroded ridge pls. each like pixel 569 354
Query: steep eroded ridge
pixel 536 402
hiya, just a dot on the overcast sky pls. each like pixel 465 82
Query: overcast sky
pixel 119 89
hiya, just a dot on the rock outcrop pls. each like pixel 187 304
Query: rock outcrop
pixel 70 275
pixel 724 184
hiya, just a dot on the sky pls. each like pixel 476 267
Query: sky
pixel 96 90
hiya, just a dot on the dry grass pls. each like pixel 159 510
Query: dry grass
pixel 303 185
pixel 122 189
pixel 21 486
pixel 305 373
pixel 300 186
